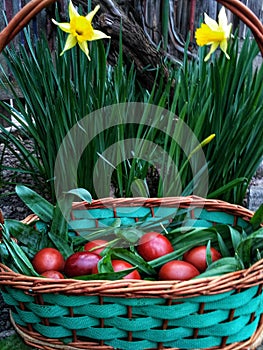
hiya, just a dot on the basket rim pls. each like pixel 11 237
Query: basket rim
pixel 129 288
pixel 191 201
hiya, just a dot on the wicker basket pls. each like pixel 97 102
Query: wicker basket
pixel 223 312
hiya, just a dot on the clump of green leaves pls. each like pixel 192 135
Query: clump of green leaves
pixel 225 97
pixel 221 97
pixel 20 241
pixel 14 341
pixel 58 91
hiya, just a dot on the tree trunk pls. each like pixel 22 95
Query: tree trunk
pixel 137 45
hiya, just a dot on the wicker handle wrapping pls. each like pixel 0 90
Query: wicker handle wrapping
pixel 1 217
pixel 23 17
pixel 248 17
pixel 1 220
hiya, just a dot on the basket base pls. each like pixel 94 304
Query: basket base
pixel 35 339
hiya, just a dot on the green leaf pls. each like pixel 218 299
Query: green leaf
pixel 236 237
pixel 208 253
pixel 165 22
pixel 59 230
pixel 134 259
pixel 140 188
pixel 221 267
pixel 257 219
pixel 246 248
pixel 106 276
pixel 61 217
pixel 40 206
pixel 104 264
pixel 82 193
pixel 63 245
pixel 186 238
pixel 130 234
pixel 27 236
pixel 20 260
pixel 116 223
pixel 166 258
pixel 222 246
pixel 225 188
pixel 14 341
pixel 4 254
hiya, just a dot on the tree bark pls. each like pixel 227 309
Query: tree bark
pixel 136 44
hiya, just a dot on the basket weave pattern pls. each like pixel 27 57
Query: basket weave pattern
pixel 222 312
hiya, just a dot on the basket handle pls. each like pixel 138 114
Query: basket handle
pixel 1 217
pixel 23 17
pixel 246 16
pixel 2 221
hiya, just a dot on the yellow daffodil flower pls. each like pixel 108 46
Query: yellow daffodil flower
pixel 214 34
pixel 80 30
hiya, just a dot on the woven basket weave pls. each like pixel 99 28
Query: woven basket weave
pixel 223 312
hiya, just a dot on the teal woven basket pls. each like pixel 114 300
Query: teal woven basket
pixel 223 312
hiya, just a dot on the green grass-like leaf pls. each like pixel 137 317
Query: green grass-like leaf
pixel 39 206
pixel 14 341
pixel 257 218
pixel 20 260
pixel 221 267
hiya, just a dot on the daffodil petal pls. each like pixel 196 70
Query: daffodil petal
pixel 84 48
pixel 91 14
pixel 70 42
pixel 97 34
pixel 222 18
pixel 228 30
pixel 72 11
pixel 223 47
pixel 212 24
pixel 63 26
pixel 213 47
